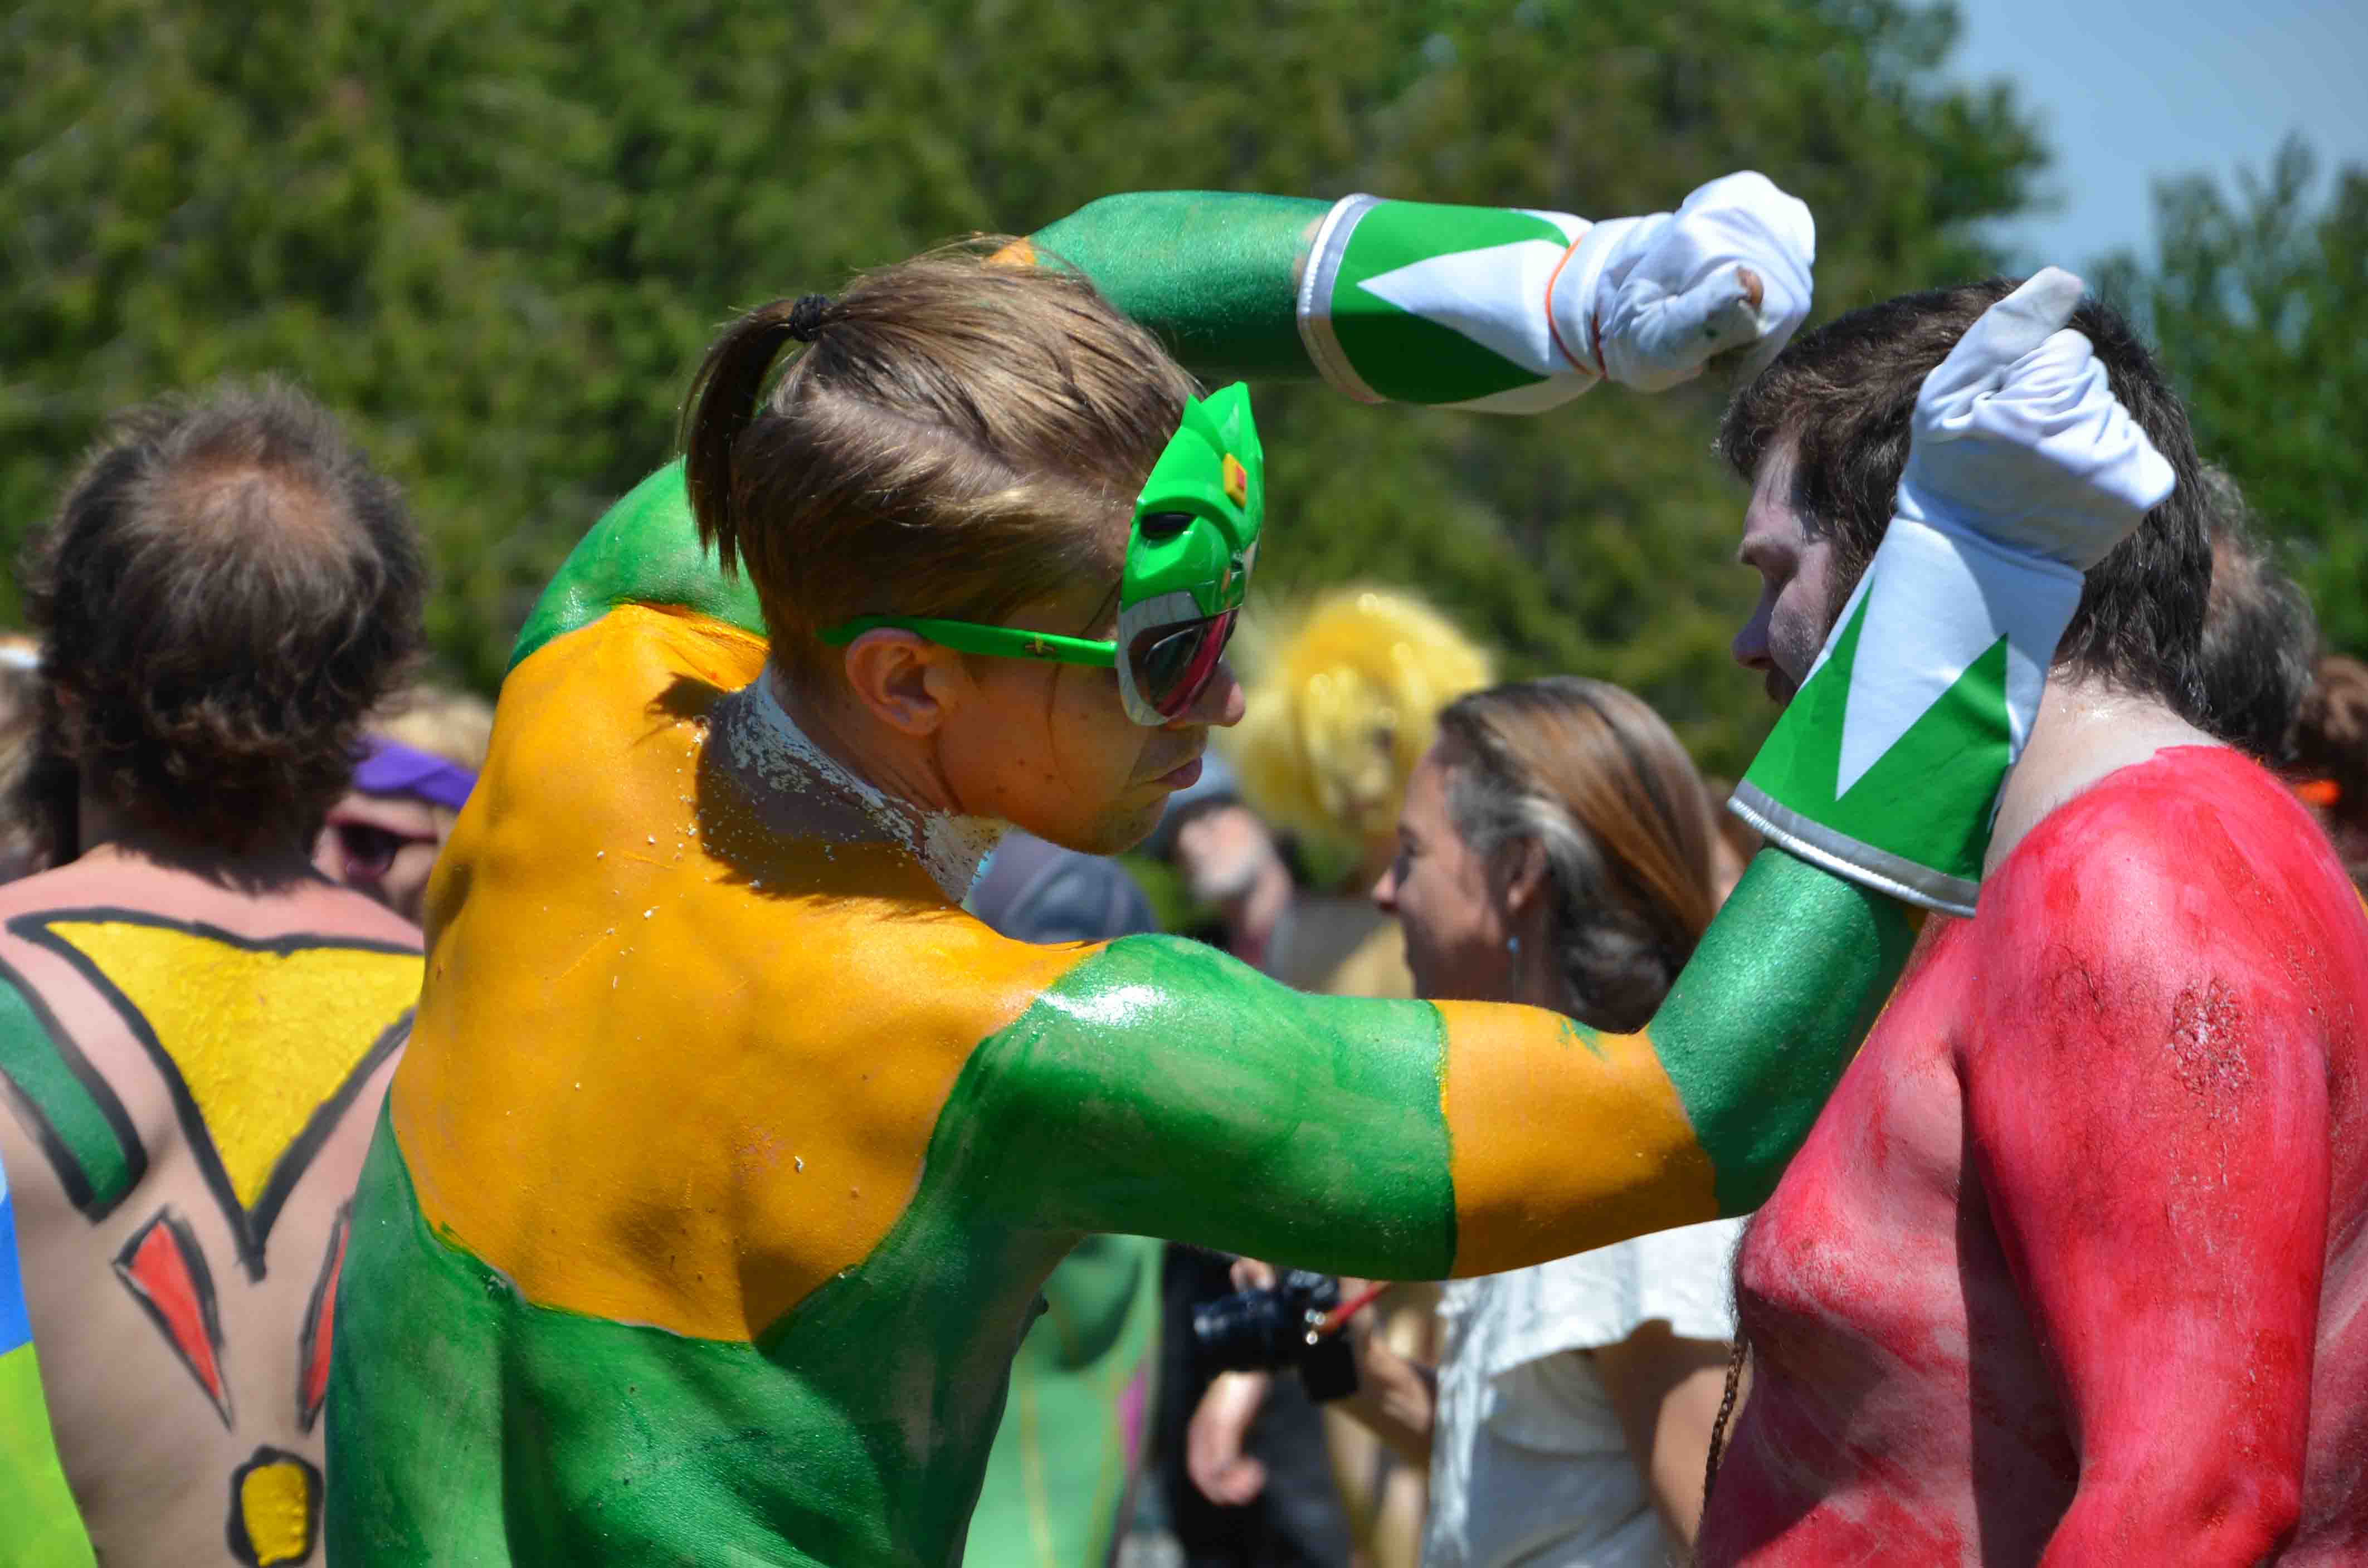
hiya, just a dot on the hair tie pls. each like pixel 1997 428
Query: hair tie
pixel 805 317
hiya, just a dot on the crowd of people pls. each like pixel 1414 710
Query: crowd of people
pixel 734 1099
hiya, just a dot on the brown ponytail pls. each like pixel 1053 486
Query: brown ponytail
pixel 721 406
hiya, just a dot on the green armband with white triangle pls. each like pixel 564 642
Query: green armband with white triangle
pixel 1886 766
pixel 1408 301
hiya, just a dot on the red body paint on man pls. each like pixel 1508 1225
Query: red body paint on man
pixel 2062 1245
pixel 2072 1268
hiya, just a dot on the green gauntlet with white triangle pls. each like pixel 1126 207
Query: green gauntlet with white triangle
pixel 1494 308
pixel 1886 766
pixel 1404 301
pixel 1515 311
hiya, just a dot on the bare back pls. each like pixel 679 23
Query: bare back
pixel 191 1077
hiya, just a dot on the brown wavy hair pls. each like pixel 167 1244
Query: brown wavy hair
pixel 953 436
pixel 1844 395
pixel 1597 779
pixel 225 592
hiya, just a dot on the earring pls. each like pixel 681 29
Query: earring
pixel 1513 945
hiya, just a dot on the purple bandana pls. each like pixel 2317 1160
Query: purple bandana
pixel 390 768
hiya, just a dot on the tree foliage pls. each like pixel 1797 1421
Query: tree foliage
pixel 2259 301
pixel 498 234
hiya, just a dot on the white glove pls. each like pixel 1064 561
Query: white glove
pixel 1647 302
pixel 2018 436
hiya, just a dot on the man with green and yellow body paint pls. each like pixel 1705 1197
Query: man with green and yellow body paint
pixel 725 1166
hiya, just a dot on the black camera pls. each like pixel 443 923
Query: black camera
pixel 1260 1331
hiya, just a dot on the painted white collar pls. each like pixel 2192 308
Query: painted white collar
pixel 768 744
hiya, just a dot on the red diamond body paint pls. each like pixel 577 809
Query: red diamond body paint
pixel 164 1267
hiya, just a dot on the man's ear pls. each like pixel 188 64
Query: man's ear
pixel 911 685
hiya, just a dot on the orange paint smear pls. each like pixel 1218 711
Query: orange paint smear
pixel 1562 1141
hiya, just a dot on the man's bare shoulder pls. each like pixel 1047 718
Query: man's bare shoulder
pixel 310 911
pixel 2188 817
pixel 2196 862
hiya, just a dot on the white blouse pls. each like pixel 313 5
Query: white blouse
pixel 1529 1465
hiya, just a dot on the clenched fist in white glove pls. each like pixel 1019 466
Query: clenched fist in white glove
pixel 1647 302
pixel 2017 437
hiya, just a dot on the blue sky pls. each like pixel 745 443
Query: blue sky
pixel 2130 93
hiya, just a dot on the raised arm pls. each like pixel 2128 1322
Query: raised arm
pixel 1482 307
pixel 1495 308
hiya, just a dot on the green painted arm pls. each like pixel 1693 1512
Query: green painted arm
pixel 1389 300
pixel 1215 274
pixel 1162 1088
pixel 1772 1008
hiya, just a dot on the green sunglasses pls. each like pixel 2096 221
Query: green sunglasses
pixel 1189 551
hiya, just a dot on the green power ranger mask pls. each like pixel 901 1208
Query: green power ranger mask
pixel 1188 554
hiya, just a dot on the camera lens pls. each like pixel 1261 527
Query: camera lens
pixel 1258 1330
pixel 1247 1332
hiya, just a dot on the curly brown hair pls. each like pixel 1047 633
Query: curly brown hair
pixel 226 591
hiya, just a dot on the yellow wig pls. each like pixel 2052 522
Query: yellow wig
pixel 1344 697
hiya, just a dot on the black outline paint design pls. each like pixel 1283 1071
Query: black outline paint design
pixel 251 1227
pixel 62 1159
pixel 317 1312
pixel 243 1548
pixel 202 1280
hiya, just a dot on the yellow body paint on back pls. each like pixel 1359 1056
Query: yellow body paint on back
pixel 262 1037
pixel 1548 1124
pixel 544 1106
pixel 262 1042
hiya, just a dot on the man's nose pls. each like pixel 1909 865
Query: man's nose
pixel 1750 645
pixel 1386 891
pixel 1221 702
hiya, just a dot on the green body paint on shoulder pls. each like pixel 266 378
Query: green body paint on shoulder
pixel 68 1107
pixel 645 549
